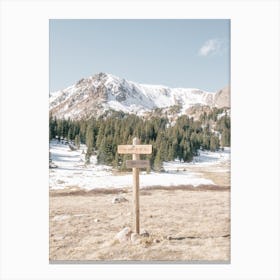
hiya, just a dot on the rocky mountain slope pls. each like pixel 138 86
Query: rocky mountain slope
pixel 102 92
pixel 222 98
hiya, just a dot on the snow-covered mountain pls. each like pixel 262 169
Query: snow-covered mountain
pixel 97 94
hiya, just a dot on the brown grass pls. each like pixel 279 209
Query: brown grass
pixel 185 224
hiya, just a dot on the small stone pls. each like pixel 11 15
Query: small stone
pixel 60 181
pixel 96 220
pixel 119 199
pixel 59 237
pixel 124 235
pixel 144 233
pixel 156 240
pixel 169 237
pixel 61 217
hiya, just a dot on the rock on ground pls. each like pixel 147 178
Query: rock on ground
pixel 119 199
pixel 124 235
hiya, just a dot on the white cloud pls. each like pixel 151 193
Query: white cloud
pixel 211 47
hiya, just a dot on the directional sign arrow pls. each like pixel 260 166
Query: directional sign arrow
pixel 135 149
pixel 137 163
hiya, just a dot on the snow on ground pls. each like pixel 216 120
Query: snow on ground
pixel 72 171
pixel 205 158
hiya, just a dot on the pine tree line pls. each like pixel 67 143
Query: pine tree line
pixel 180 140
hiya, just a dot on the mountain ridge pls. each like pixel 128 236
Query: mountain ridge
pixel 93 96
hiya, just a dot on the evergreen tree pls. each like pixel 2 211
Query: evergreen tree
pixel 89 142
pixel 90 139
pixel 170 155
pixel 105 153
pixel 69 135
pixel 214 143
pixel 82 128
pixel 123 162
pixel 52 127
pixel 59 128
pixel 225 138
pixel 100 136
pixel 116 161
pixel 158 161
pixel 206 141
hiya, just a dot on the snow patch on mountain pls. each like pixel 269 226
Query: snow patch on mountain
pixel 95 95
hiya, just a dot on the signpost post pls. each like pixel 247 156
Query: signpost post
pixel 136 149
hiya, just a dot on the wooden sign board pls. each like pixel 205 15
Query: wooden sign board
pixel 135 149
pixel 137 163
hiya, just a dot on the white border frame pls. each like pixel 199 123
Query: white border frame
pixel 255 117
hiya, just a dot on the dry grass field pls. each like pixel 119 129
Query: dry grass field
pixel 184 224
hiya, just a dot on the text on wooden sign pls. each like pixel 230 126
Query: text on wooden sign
pixel 135 149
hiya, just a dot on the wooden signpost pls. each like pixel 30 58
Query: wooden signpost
pixel 136 149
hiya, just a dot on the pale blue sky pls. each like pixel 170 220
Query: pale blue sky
pixel 175 53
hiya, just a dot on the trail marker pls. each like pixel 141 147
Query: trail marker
pixel 137 163
pixel 136 149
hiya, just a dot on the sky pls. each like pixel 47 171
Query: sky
pixel 184 53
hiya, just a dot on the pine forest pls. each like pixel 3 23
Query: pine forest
pixel 181 139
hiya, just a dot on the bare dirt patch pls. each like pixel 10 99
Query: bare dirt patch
pixel 185 224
